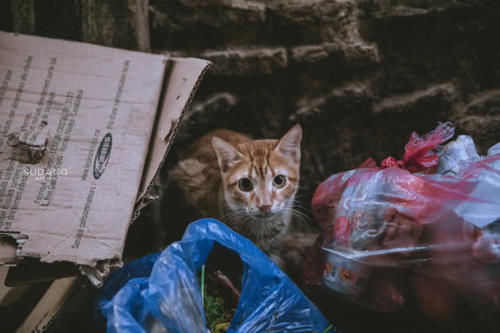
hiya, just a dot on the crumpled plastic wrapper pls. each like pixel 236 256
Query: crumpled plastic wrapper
pixel 392 233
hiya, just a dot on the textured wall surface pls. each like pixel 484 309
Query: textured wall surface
pixel 359 75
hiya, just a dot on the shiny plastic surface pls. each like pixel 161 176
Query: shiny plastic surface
pixel 400 233
pixel 163 294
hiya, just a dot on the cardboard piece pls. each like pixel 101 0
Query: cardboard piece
pixel 83 132
pixel 16 303
pixel 47 307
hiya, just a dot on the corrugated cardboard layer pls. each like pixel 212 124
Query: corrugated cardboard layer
pixel 96 107
pixel 183 76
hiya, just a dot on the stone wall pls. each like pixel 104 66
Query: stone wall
pixel 359 75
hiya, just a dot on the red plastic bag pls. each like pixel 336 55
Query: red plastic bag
pixel 421 154
pixel 389 235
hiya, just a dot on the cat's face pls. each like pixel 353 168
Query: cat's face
pixel 260 177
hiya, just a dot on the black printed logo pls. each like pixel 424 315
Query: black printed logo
pixel 102 155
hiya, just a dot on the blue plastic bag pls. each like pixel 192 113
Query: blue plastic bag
pixel 161 292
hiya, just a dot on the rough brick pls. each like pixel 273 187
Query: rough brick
pixel 247 61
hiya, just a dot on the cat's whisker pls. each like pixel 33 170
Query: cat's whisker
pixel 250 198
pixel 303 218
pixel 305 213
pixel 301 204
pixel 234 214
pixel 300 214
pixel 303 208
pixel 300 194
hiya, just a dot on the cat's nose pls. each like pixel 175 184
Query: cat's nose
pixel 265 208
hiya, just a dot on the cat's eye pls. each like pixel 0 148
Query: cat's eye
pixel 245 184
pixel 279 181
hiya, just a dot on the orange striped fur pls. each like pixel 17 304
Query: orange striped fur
pixel 248 184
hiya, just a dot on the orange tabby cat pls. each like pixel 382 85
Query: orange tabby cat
pixel 248 184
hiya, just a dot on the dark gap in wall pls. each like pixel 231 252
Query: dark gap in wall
pixel 58 18
pixel 5 16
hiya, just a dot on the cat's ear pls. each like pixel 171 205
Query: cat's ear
pixel 227 155
pixel 289 144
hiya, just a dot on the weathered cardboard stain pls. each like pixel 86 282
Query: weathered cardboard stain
pixel 83 131
pixel 29 146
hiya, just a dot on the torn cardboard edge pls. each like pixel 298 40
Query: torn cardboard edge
pixel 177 86
pixel 9 250
pixel 103 93
pixel 179 93
pixel 167 125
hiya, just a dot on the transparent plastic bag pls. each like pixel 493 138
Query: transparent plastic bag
pixel 390 236
pixel 161 293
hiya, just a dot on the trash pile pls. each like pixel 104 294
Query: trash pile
pixel 161 292
pixel 424 229
pixel 219 298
